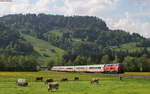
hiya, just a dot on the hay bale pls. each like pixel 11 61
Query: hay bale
pixel 22 82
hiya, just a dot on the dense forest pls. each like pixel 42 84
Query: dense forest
pixel 14 51
pixel 83 39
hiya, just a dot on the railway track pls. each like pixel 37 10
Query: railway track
pixel 128 75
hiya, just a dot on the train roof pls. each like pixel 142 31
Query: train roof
pixel 98 65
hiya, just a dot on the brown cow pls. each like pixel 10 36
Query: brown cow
pixel 76 78
pixel 94 80
pixel 64 79
pixel 48 80
pixel 39 78
pixel 53 85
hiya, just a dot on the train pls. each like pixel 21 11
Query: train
pixel 103 68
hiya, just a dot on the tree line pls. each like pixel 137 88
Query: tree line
pixel 18 63
pixel 138 61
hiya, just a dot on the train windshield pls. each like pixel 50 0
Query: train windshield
pixel 110 65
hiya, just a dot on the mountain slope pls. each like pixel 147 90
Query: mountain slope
pixel 86 28
pixel 44 50
pixel 11 42
pixel 84 35
pixel 89 37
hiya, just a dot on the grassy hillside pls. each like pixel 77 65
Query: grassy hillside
pixel 108 84
pixel 131 47
pixel 44 50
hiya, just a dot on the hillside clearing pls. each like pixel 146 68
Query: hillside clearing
pixel 46 51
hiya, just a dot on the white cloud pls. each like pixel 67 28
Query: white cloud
pixel 24 6
pixel 4 8
pixel 87 7
pixel 41 6
pixel 20 6
pixel 130 25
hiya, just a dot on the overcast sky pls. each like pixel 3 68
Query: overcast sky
pixel 129 15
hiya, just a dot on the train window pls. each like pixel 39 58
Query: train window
pixel 91 67
pixel 69 68
pixel 94 67
pixel 80 68
pixel 108 65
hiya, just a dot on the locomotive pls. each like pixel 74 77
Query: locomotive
pixel 103 68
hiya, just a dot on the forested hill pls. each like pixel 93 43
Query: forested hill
pixel 72 40
pixel 58 29
pixel 49 22
pixel 11 43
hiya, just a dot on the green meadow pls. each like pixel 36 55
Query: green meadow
pixel 44 50
pixel 108 84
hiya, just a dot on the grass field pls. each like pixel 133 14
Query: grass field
pixel 44 48
pixel 108 84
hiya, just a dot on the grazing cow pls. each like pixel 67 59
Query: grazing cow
pixel 39 78
pixel 48 80
pixel 120 78
pixel 53 85
pixel 64 79
pixel 76 78
pixel 94 80
pixel 22 82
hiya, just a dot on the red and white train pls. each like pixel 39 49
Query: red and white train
pixel 104 68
